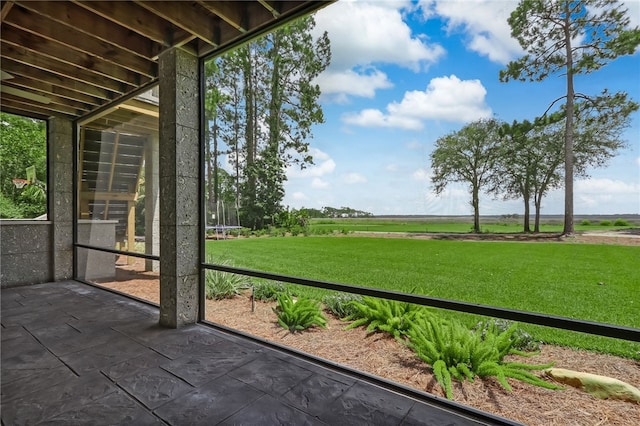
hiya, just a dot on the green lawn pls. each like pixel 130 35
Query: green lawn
pixel 462 226
pixel 553 278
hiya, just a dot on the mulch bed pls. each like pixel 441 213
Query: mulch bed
pixel 379 354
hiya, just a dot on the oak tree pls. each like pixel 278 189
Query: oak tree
pixel 470 156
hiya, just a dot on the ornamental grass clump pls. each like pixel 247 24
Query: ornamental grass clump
pixel 223 285
pixel 298 315
pixel 340 304
pixel 383 315
pixel 268 291
pixel 454 351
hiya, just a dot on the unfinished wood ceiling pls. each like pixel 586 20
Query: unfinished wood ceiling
pixel 68 58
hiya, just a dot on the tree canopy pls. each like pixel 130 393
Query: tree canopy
pixel 470 156
pixel 23 143
pixel 261 103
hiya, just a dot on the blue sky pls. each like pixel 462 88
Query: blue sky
pixel 404 74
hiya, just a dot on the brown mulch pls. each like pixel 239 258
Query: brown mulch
pixel 383 356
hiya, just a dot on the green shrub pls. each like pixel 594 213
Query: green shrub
pixel 384 315
pixel 223 285
pixel 298 315
pixel 340 304
pixel 269 290
pixel 585 222
pixel 454 351
pixel 620 222
pixel 605 223
pixel 8 209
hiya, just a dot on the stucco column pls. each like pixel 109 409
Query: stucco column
pixel 179 176
pixel 60 193
pixel 151 202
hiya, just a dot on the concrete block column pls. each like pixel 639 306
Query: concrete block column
pixel 179 182
pixel 60 193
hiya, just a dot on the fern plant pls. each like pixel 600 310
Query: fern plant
pixel 298 315
pixel 383 315
pixel 456 352
pixel 223 285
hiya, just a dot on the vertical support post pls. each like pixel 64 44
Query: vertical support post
pixel 60 193
pixel 151 203
pixel 179 167
pixel 131 230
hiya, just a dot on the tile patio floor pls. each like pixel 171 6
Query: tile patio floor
pixel 75 354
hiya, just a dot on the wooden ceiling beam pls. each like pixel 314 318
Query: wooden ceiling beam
pixel 46 48
pixel 17 68
pixel 49 89
pixel 232 13
pixel 42 115
pixel 135 18
pixel 26 57
pixel 196 21
pixel 6 7
pixel 37 107
pixel 88 23
pixel 52 97
pixel 70 37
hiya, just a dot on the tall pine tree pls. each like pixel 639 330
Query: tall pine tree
pixel 270 104
pixel 569 37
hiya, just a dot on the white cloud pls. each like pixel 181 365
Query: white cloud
pixel 483 21
pixel 414 145
pixel 634 12
pixel 638 161
pixel 607 196
pixel 338 84
pixel 421 174
pixel 445 98
pixel 324 165
pixel 364 34
pixel 353 178
pixel 391 168
pixel 607 186
pixel 299 196
pixel 376 118
pixel 318 183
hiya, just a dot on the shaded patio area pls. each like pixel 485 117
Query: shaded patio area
pixel 77 354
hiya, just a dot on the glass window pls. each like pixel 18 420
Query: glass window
pixel 23 150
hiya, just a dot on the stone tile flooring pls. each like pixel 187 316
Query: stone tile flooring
pixel 74 354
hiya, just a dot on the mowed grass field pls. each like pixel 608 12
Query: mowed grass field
pixel 464 224
pixel 591 282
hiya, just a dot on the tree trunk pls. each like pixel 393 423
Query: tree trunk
pixel 476 211
pixel 210 181
pixel 538 203
pixel 249 192
pixel 527 225
pixel 568 144
pixel 527 197
pixel 216 183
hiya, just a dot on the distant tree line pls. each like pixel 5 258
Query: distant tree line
pixel 333 212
